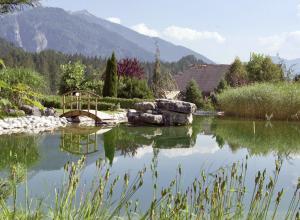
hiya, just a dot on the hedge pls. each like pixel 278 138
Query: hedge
pixel 105 103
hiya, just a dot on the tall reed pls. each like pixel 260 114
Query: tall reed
pixel 218 195
pixel 279 101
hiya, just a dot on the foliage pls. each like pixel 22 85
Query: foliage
pixel 110 87
pixel 130 68
pixel 8 6
pixel 133 88
pixel 72 77
pixel 216 195
pixel 161 80
pixel 261 69
pixel 237 74
pixel 21 86
pixel 124 103
pixel 221 86
pixel 281 100
pixel 193 94
pixel 2 64
pixel 93 85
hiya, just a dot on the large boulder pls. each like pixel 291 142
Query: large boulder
pixel 175 118
pixel 145 106
pixel 176 106
pixel 50 112
pixel 152 119
pixel 31 110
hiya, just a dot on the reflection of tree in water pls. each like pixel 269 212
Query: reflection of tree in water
pixel 260 138
pixel 21 149
pixel 127 139
pixel 81 141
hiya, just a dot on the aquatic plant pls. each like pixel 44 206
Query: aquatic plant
pixel 217 195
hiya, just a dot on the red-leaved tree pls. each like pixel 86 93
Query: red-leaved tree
pixel 130 68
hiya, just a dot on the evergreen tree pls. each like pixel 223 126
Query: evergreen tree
pixel 237 74
pixel 157 79
pixel 7 6
pixel 193 94
pixel 110 87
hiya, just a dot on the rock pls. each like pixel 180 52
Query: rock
pixel 49 112
pixel 151 119
pixel 176 106
pixel 175 118
pixel 31 110
pixel 145 106
pixel 133 116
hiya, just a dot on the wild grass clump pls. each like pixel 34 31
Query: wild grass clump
pixel 218 195
pixel 280 101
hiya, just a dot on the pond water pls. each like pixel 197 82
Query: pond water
pixel 206 145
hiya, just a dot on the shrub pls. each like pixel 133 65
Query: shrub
pixel 134 88
pixel 193 94
pixel 282 100
pixel 124 103
pixel 51 101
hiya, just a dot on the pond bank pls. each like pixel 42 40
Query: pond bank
pixel 37 124
pixel 31 124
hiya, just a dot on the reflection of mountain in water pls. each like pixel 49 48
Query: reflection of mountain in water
pixel 260 137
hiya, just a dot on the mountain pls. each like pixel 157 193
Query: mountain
pixel 83 33
pixel 168 51
pixel 293 64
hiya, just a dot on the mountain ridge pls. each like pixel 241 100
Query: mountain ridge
pixel 81 32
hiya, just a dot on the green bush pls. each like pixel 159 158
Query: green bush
pixel 52 101
pixel 124 103
pixel 134 88
pixel 193 94
pixel 282 100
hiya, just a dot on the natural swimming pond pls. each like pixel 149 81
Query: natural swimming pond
pixel 208 144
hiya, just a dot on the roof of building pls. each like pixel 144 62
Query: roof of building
pixel 207 76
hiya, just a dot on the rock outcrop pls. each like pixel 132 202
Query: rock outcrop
pixel 162 112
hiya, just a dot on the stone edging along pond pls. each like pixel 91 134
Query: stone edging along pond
pixel 31 124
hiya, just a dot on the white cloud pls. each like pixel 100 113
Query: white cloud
pixel 298 9
pixel 281 41
pixel 188 34
pixel 114 20
pixel 145 30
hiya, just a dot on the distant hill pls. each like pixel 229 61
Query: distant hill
pixel 294 64
pixel 42 28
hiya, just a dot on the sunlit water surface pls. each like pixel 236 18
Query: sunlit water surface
pixel 206 145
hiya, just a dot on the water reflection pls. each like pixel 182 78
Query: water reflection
pixel 260 138
pixel 18 149
pixel 81 141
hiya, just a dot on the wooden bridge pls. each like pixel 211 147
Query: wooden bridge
pixel 81 103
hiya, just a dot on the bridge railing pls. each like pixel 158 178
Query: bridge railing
pixel 80 100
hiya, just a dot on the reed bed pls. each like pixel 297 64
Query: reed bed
pixel 280 101
pixel 218 195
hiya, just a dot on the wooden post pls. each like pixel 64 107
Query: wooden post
pixel 96 107
pixel 89 104
pixel 63 103
pixel 71 104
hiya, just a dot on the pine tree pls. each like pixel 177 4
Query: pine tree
pixel 107 78
pixel 110 87
pixel 237 74
pixel 114 76
pixel 193 94
pixel 156 78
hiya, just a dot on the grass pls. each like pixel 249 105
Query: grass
pixel 280 101
pixel 218 195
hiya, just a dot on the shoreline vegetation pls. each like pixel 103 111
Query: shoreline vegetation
pixel 218 195
pixel 270 101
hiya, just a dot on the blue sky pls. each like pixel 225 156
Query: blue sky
pixel 218 29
